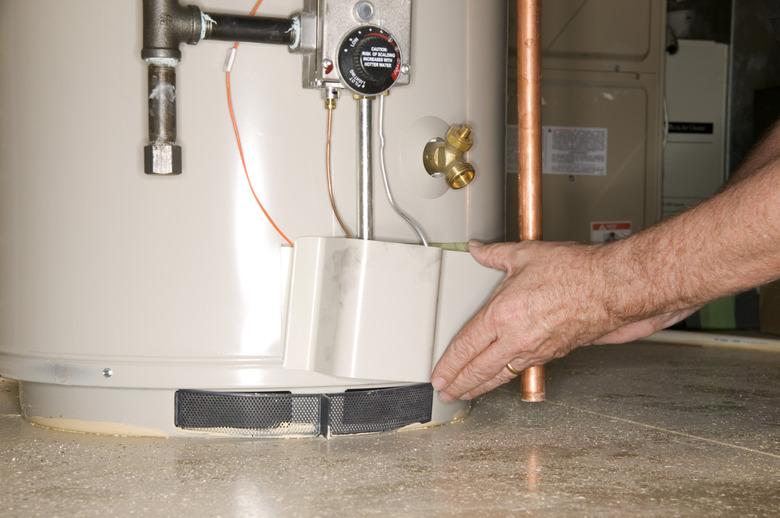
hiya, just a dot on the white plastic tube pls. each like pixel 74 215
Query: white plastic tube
pixel 715 340
pixel 383 166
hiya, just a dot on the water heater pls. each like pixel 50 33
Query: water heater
pixel 263 239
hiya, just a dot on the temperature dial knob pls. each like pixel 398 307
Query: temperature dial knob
pixel 369 60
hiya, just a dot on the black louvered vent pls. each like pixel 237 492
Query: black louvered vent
pixel 275 414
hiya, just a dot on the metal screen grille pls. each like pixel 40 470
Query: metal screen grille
pixel 269 414
pixel 254 414
pixel 383 410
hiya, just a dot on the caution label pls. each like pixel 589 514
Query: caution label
pixel 378 57
pixel 608 231
pixel 574 151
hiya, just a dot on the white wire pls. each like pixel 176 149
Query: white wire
pixel 383 166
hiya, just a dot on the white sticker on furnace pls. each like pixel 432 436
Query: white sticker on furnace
pixel 608 231
pixel 574 151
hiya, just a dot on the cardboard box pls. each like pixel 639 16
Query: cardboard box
pixel 770 308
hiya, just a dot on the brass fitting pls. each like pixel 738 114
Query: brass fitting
pixel 446 157
pixel 460 138
pixel 331 97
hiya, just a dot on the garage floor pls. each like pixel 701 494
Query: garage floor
pixel 641 429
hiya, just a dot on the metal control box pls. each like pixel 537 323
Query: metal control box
pixel 336 19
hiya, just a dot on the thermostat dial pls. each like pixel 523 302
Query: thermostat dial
pixel 369 60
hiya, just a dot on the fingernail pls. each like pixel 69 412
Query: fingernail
pixel 466 397
pixel 445 398
pixel 438 383
pixel 474 244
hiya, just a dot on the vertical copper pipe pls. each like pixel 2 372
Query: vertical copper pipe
pixel 529 112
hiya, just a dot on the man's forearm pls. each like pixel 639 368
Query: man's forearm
pixel 725 245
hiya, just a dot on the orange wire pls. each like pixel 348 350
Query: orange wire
pixel 241 147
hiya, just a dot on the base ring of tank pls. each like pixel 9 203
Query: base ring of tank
pixel 256 412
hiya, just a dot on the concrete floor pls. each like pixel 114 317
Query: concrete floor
pixel 641 429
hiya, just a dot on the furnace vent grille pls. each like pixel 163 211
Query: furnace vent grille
pixel 273 414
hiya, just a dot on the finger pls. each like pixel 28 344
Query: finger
pixel 498 256
pixel 477 335
pixel 502 378
pixel 486 366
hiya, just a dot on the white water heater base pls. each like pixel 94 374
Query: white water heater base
pixel 356 326
pixel 136 304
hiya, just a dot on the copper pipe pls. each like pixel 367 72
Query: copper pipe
pixel 532 383
pixel 330 106
pixel 529 113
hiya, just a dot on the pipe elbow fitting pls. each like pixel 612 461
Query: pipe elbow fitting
pixel 168 24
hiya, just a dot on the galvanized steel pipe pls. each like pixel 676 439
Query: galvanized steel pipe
pixel 365 228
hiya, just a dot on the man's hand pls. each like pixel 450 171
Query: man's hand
pixel 555 297
pixel 558 296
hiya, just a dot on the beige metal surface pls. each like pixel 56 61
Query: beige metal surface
pixel 629 108
pixel 604 35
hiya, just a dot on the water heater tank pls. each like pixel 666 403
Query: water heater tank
pixel 167 305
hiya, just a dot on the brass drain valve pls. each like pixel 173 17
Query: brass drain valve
pixel 446 157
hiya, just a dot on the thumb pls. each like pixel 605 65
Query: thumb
pixel 498 256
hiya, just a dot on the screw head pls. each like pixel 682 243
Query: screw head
pixel 108 372
pixel 406 68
